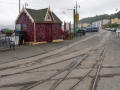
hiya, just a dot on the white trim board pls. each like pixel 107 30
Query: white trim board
pixel 24 10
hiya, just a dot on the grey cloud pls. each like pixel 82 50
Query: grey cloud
pixel 9 10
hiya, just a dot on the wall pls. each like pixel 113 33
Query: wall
pixel 56 31
pixel 40 32
pixel 48 32
pixel 24 19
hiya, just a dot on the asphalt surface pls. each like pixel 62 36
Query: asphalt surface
pixel 29 51
pixel 110 73
pixel 71 65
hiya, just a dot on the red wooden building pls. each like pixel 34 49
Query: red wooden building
pixel 39 25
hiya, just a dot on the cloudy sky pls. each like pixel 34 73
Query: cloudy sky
pixel 9 8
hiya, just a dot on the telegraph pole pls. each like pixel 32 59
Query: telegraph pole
pixel 76 15
pixel 26 4
pixel 19 6
pixel 74 20
pixel 76 7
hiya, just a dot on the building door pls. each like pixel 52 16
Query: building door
pixel 22 37
pixel 21 32
pixel 49 32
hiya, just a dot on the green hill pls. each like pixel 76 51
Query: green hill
pixel 99 17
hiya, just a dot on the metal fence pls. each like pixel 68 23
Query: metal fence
pixel 8 41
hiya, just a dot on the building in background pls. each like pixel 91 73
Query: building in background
pixel 105 21
pixel 115 21
pixel 83 25
pixel 97 24
pixel 100 23
pixel 39 25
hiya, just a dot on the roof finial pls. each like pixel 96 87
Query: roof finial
pixel 49 8
pixel 23 7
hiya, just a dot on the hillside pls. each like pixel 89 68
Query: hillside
pixel 7 26
pixel 99 17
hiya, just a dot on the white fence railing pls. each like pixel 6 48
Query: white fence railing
pixel 5 40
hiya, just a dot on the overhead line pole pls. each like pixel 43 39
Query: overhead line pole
pixel 76 14
pixel 74 20
pixel 19 6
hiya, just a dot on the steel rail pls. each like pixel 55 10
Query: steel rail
pixel 36 67
pixel 72 66
pixel 74 86
pixel 98 70
pixel 86 75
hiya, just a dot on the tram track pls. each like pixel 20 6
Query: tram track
pixel 43 56
pixel 98 70
pixel 97 64
pixel 72 67
pixel 43 66
pixel 36 61
pixel 69 69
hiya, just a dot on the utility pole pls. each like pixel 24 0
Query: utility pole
pixel 110 19
pixel 26 4
pixel 76 7
pixel 76 15
pixel 74 20
pixel 19 6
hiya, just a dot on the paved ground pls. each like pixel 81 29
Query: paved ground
pixel 89 63
pixel 110 73
pixel 29 51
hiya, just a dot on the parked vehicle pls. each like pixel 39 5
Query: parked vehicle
pixel 113 29
pixel 81 31
pixel 95 29
pixel 88 29
pixel 3 31
pixel 108 29
pixel 118 30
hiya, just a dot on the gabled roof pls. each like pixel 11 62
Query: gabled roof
pixel 56 19
pixel 39 15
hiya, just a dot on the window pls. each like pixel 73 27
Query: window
pixel 24 26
